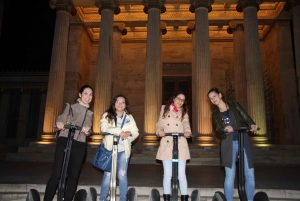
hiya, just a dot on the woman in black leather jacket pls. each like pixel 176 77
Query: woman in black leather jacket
pixel 226 117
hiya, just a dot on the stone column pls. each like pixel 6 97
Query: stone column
pixel 119 30
pixel 294 5
pixel 55 95
pixel 191 30
pixel 42 113
pixel 237 29
pixel 23 117
pixel 202 72
pixel 4 111
pixel 103 86
pixel 255 88
pixel 153 73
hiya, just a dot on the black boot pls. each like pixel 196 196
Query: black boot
pixel 184 197
pixel 166 197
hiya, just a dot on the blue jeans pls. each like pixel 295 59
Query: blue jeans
pixel 230 175
pixel 168 176
pixel 122 166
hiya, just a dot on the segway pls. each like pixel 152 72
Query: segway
pixel 260 196
pixel 174 183
pixel 33 194
pixel 131 193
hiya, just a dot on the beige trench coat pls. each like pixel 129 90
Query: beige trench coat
pixel 172 123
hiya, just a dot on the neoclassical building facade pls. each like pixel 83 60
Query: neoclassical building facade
pixel 149 49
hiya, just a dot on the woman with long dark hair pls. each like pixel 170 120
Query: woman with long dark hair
pixel 80 116
pixel 174 118
pixel 118 120
pixel 226 117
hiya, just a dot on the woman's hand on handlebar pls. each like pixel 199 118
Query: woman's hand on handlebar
pixel 187 134
pixel 161 134
pixel 85 129
pixel 60 125
pixel 125 134
pixel 253 128
pixel 228 129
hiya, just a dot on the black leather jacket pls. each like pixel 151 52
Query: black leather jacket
pixel 241 119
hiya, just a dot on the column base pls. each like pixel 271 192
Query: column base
pixel 205 140
pixel 149 139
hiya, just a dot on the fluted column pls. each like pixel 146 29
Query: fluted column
pixel 103 86
pixel 153 73
pixel 255 90
pixel 4 111
pixel 118 31
pixel 41 113
pixel 237 29
pixel 55 95
pixel 202 70
pixel 191 30
pixel 294 5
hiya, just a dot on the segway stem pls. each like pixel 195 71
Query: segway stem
pixel 175 164
pixel 64 169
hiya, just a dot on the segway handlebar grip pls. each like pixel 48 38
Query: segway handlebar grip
pixel 177 134
pixel 246 128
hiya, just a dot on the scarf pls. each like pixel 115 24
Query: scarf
pixel 173 107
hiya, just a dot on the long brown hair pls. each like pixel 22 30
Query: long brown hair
pixel 111 111
pixel 184 106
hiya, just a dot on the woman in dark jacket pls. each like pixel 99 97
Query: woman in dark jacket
pixel 80 116
pixel 226 117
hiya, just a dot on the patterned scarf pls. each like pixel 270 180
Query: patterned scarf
pixel 173 107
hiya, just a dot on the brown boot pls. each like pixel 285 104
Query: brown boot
pixel 184 197
pixel 166 197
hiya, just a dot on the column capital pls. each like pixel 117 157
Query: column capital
pixel 108 4
pixel 25 90
pixel 63 5
pixel 5 90
pixel 163 27
pixel 235 25
pixel 248 3
pixel 190 27
pixel 120 27
pixel 159 4
pixel 291 4
pixel 154 3
pixel 201 3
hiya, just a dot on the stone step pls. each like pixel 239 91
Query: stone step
pixel 18 192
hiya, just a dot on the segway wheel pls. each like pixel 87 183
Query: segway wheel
pixel 219 196
pixel 154 196
pixel 261 196
pixel 131 195
pixel 195 195
pixel 92 194
pixel 81 195
pixel 33 195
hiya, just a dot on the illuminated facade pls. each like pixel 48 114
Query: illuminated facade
pixel 146 49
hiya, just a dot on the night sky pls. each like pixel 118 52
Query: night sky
pixel 26 36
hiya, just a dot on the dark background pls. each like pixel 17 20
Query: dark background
pixel 26 36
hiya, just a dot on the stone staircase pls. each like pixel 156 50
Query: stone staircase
pixel 201 155
pixel 19 192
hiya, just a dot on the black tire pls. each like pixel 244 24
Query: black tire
pixel 261 196
pixel 196 195
pixel 131 195
pixel 92 194
pixel 33 195
pixel 219 196
pixel 81 195
pixel 154 196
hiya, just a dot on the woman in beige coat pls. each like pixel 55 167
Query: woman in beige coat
pixel 174 118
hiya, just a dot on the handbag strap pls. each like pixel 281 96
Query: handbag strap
pixel 82 123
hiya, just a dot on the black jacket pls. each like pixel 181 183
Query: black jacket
pixel 241 119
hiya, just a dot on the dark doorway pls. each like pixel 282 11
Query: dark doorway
pixel 173 84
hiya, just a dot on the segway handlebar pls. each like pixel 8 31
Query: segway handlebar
pixel 73 127
pixel 106 133
pixel 245 128
pixel 177 134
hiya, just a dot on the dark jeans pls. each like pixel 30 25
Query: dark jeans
pixel 78 151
